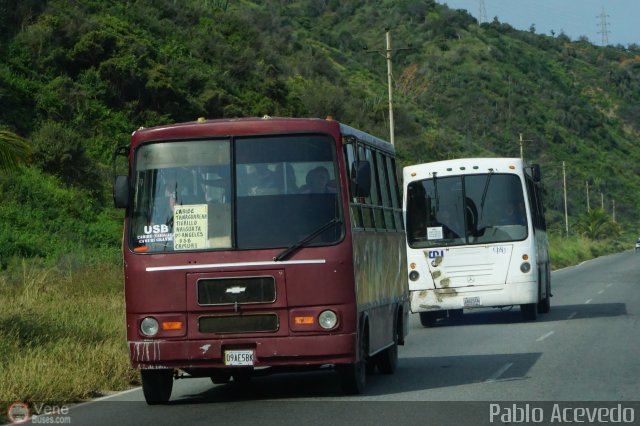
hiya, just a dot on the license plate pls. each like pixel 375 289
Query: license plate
pixel 471 301
pixel 238 357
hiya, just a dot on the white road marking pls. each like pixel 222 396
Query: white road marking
pixel 499 373
pixel 588 301
pixel 573 314
pixel 544 336
pixel 102 398
pixel 601 291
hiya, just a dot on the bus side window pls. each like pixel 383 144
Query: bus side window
pixel 354 208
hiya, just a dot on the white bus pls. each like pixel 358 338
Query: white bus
pixel 476 237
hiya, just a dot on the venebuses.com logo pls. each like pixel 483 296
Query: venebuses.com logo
pixel 20 413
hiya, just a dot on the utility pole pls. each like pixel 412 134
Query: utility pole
pixel 564 184
pixel 588 205
pixel 613 209
pixel 522 146
pixel 602 201
pixel 388 53
pixel 603 27
pixel 389 80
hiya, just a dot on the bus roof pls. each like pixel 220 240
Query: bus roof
pixel 254 126
pixel 463 166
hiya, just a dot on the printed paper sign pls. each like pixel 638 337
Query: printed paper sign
pixel 434 233
pixel 190 227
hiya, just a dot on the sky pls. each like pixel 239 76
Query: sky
pixel 575 18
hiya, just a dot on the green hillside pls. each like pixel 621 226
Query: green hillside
pixel 77 77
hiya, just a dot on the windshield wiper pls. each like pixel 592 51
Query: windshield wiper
pixel 435 190
pixel 284 254
pixel 484 192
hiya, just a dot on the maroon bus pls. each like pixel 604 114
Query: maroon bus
pixel 261 242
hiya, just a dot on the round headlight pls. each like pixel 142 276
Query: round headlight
pixel 327 319
pixel 525 267
pixel 414 275
pixel 149 326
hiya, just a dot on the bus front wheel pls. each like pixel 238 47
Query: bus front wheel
pixel 157 385
pixel 353 377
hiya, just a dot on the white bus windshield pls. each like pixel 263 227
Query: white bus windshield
pixel 467 209
pixel 238 193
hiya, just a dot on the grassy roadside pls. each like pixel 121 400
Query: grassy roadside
pixel 575 249
pixel 62 335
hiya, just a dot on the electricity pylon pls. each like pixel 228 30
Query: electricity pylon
pixel 603 27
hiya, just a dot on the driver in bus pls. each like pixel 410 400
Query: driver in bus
pixel 165 202
pixel 317 181
pixel 514 214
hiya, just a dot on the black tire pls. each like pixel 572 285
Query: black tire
pixel 157 385
pixel 353 377
pixel 387 360
pixel 529 311
pixel 544 305
pixel 428 319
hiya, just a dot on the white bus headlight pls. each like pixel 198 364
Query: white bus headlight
pixel 327 319
pixel 149 326
pixel 525 267
pixel 414 275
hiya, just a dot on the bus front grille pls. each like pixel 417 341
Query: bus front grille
pixel 259 323
pixel 240 290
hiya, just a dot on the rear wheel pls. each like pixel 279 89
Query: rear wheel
pixel 428 319
pixel 387 360
pixel 544 305
pixel 529 311
pixel 353 377
pixel 157 385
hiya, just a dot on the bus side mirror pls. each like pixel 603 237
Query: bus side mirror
pixel 535 173
pixel 121 192
pixel 120 183
pixel 361 173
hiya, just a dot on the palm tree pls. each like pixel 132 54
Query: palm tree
pixel 13 151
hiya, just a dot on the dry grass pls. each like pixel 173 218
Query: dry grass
pixel 62 333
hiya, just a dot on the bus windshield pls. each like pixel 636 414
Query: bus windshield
pixel 240 193
pixel 466 209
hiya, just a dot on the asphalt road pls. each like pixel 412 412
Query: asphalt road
pixel 479 369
